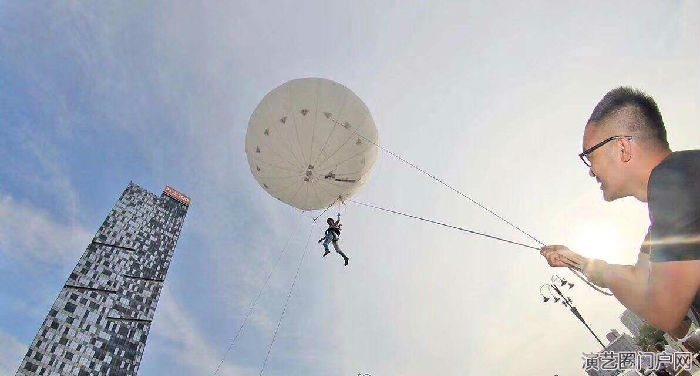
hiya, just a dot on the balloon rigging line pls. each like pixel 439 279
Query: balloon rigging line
pixel 294 121
pixel 442 182
pixel 326 209
pixel 336 150
pixel 286 139
pixel 286 303
pixel 255 300
pixel 285 160
pixel 323 148
pixel 340 110
pixel 295 169
pixel 313 129
pixel 414 166
pixel 442 224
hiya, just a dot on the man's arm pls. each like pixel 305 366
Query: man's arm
pixel 628 282
pixel 672 288
pixel 661 292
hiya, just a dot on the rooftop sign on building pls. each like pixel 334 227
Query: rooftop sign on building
pixel 174 194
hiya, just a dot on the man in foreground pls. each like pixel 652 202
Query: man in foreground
pixel 626 151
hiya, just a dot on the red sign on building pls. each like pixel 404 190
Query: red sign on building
pixel 171 192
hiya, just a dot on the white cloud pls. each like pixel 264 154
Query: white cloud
pixel 11 354
pixel 29 234
pixel 176 335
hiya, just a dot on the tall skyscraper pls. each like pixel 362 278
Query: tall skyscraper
pixel 99 323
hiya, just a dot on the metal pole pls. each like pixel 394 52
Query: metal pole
pixel 569 304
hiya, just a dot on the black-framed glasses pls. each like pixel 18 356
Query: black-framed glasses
pixel 584 155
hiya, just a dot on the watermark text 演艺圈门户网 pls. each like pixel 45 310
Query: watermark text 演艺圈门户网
pixel 637 360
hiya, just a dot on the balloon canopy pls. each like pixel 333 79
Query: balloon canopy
pixel 307 143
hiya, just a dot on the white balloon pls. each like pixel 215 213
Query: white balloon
pixel 304 146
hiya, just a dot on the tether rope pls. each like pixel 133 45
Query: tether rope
pixel 452 188
pixel 255 300
pixel 442 224
pixel 286 303
pixel 414 166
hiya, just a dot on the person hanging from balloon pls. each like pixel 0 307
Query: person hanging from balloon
pixel 311 143
pixel 332 235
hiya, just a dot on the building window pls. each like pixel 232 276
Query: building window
pixel 30 367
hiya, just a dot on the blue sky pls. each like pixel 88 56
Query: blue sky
pixel 490 97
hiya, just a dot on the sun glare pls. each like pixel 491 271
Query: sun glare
pixel 599 240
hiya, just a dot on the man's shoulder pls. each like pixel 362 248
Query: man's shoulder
pixel 680 169
pixel 686 161
pixel 674 207
pixel 674 190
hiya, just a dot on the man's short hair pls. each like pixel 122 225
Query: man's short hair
pixel 646 117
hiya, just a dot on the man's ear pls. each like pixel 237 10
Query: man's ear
pixel 625 150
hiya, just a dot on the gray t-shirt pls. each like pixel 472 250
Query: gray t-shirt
pixel 673 194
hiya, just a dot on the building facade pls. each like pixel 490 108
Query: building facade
pixel 632 322
pixel 618 343
pixel 100 320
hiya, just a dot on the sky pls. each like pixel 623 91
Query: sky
pixel 492 97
